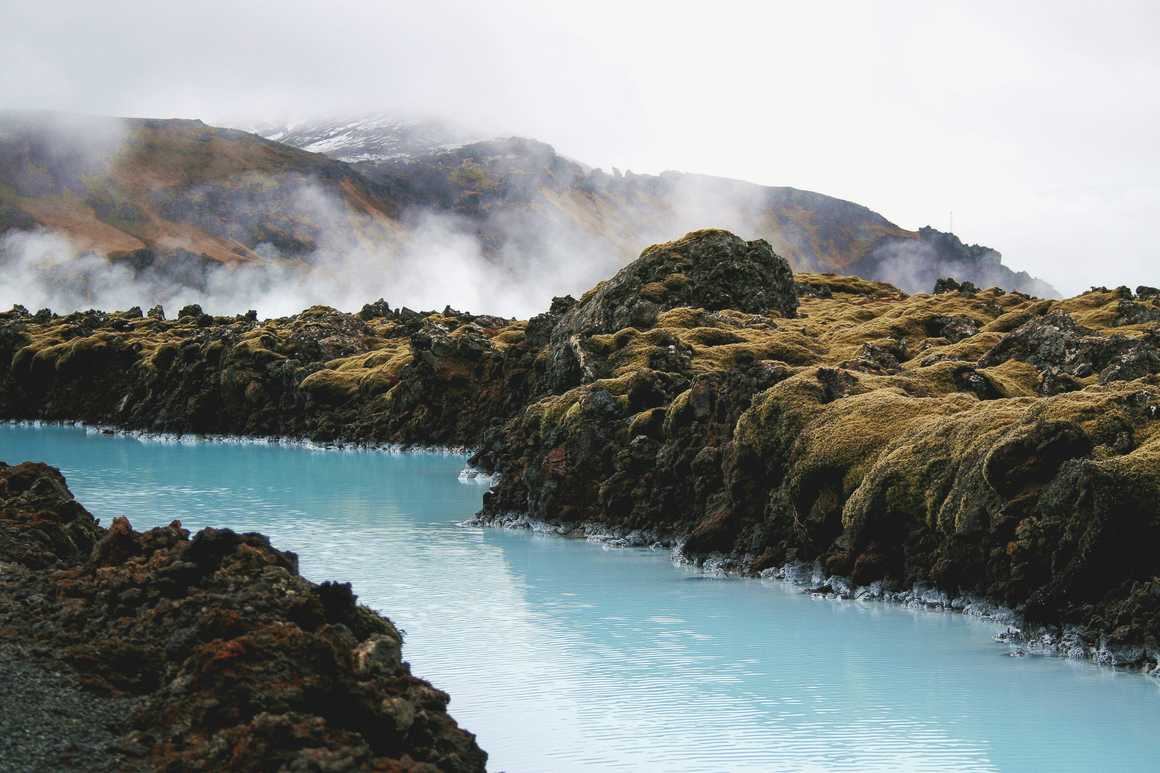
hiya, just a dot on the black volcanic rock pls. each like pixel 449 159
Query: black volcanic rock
pixel 948 284
pixel 1062 348
pixel 379 308
pixel 1051 341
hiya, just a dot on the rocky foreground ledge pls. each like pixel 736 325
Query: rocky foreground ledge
pixel 970 443
pixel 156 650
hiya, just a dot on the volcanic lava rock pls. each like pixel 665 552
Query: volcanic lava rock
pixel 1129 312
pixel 975 442
pixel 1060 347
pixel 379 308
pixel 42 525
pixel 953 328
pixel 232 660
pixel 708 269
pixel 951 285
pixel 1050 341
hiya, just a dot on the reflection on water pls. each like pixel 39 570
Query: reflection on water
pixel 564 655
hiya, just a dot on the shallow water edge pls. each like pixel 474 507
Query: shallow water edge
pixel 289 441
pixel 566 654
pixel 1020 637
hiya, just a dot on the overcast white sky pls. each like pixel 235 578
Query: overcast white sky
pixel 1036 123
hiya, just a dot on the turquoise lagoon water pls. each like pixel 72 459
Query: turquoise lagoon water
pixel 565 655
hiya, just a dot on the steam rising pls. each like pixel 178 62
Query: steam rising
pixel 45 269
pixel 1036 127
pixel 551 225
pixel 916 265
pixel 510 262
pixel 439 262
pixel 343 258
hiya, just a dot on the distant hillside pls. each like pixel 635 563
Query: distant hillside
pixel 519 192
pixel 173 199
pixel 149 190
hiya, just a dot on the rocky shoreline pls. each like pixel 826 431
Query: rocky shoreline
pixel 196 652
pixel 982 442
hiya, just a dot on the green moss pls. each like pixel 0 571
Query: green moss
pixel 368 373
pixel 1016 316
pixel 968 350
pixel 508 336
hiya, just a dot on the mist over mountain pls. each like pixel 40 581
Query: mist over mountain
pixel 515 191
pixel 105 212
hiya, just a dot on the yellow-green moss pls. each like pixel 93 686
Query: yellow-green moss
pixel 367 373
pixel 1014 378
pixel 848 285
pixel 653 291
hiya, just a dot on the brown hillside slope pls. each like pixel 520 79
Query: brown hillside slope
pixel 150 190
pixel 178 198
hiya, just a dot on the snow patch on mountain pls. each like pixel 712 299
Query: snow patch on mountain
pixel 367 138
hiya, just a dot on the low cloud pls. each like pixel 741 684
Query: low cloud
pixel 915 266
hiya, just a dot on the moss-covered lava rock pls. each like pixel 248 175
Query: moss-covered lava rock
pixel 984 441
pixel 711 270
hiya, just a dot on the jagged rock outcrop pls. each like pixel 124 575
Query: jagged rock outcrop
pixel 895 439
pixel 709 270
pixel 402 377
pixel 948 284
pixel 233 660
pixel 1065 351
pixel 42 525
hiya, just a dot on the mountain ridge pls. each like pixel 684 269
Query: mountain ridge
pixel 373 137
pixel 149 184
pixel 176 200
pixel 485 181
